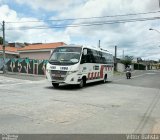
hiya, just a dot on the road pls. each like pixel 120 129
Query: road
pixel 32 105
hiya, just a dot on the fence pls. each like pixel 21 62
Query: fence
pixel 139 67
pixel 29 66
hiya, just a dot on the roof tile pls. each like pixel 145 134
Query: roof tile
pixel 42 46
pixel 9 49
pixel 34 47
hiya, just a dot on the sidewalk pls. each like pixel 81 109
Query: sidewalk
pixel 23 76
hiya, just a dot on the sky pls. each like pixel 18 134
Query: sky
pixel 44 21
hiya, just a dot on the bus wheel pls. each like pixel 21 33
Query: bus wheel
pixel 105 79
pixel 82 83
pixel 55 85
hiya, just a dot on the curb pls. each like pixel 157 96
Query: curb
pixel 22 74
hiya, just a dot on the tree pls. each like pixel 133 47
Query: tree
pixel 1 40
pixel 127 57
pixel 139 59
pixel 127 60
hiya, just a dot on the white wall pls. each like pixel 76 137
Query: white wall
pixel 120 67
pixel 35 55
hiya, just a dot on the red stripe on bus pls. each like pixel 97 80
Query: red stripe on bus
pixel 101 71
pixel 89 75
pixel 92 75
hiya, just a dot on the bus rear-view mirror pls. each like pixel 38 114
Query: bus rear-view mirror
pixel 85 51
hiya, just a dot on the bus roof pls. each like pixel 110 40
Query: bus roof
pixel 89 47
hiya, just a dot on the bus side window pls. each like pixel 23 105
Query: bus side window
pixel 89 58
pixel 86 59
pixel 83 59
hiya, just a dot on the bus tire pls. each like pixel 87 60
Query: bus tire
pixel 105 78
pixel 82 82
pixel 55 85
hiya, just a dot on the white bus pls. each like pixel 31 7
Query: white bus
pixel 79 65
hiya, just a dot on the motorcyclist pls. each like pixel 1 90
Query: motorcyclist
pixel 128 72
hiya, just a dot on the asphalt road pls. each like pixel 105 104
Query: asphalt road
pixel 32 105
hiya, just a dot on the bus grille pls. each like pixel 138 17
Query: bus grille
pixel 58 75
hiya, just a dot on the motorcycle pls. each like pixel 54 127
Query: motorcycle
pixel 128 74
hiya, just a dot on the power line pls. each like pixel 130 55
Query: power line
pixel 87 24
pixel 121 15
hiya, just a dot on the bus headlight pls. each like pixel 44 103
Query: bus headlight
pixel 70 72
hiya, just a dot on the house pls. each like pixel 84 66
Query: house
pixel 10 52
pixel 39 51
pixel 31 51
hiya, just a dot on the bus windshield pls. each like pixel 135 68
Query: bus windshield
pixel 65 56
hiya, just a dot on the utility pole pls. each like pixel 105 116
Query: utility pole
pixel 123 55
pixel 4 57
pixel 115 59
pixel 99 44
pixel 159 3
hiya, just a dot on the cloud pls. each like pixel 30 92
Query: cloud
pixel 49 5
pixel 6 13
pixel 32 35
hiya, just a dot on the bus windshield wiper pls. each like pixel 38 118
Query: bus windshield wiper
pixel 64 60
pixel 53 60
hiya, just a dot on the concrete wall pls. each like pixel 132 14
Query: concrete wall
pixel 132 67
pixel 120 67
pixel 28 66
pixel 35 55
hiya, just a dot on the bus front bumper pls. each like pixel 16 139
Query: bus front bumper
pixel 68 79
